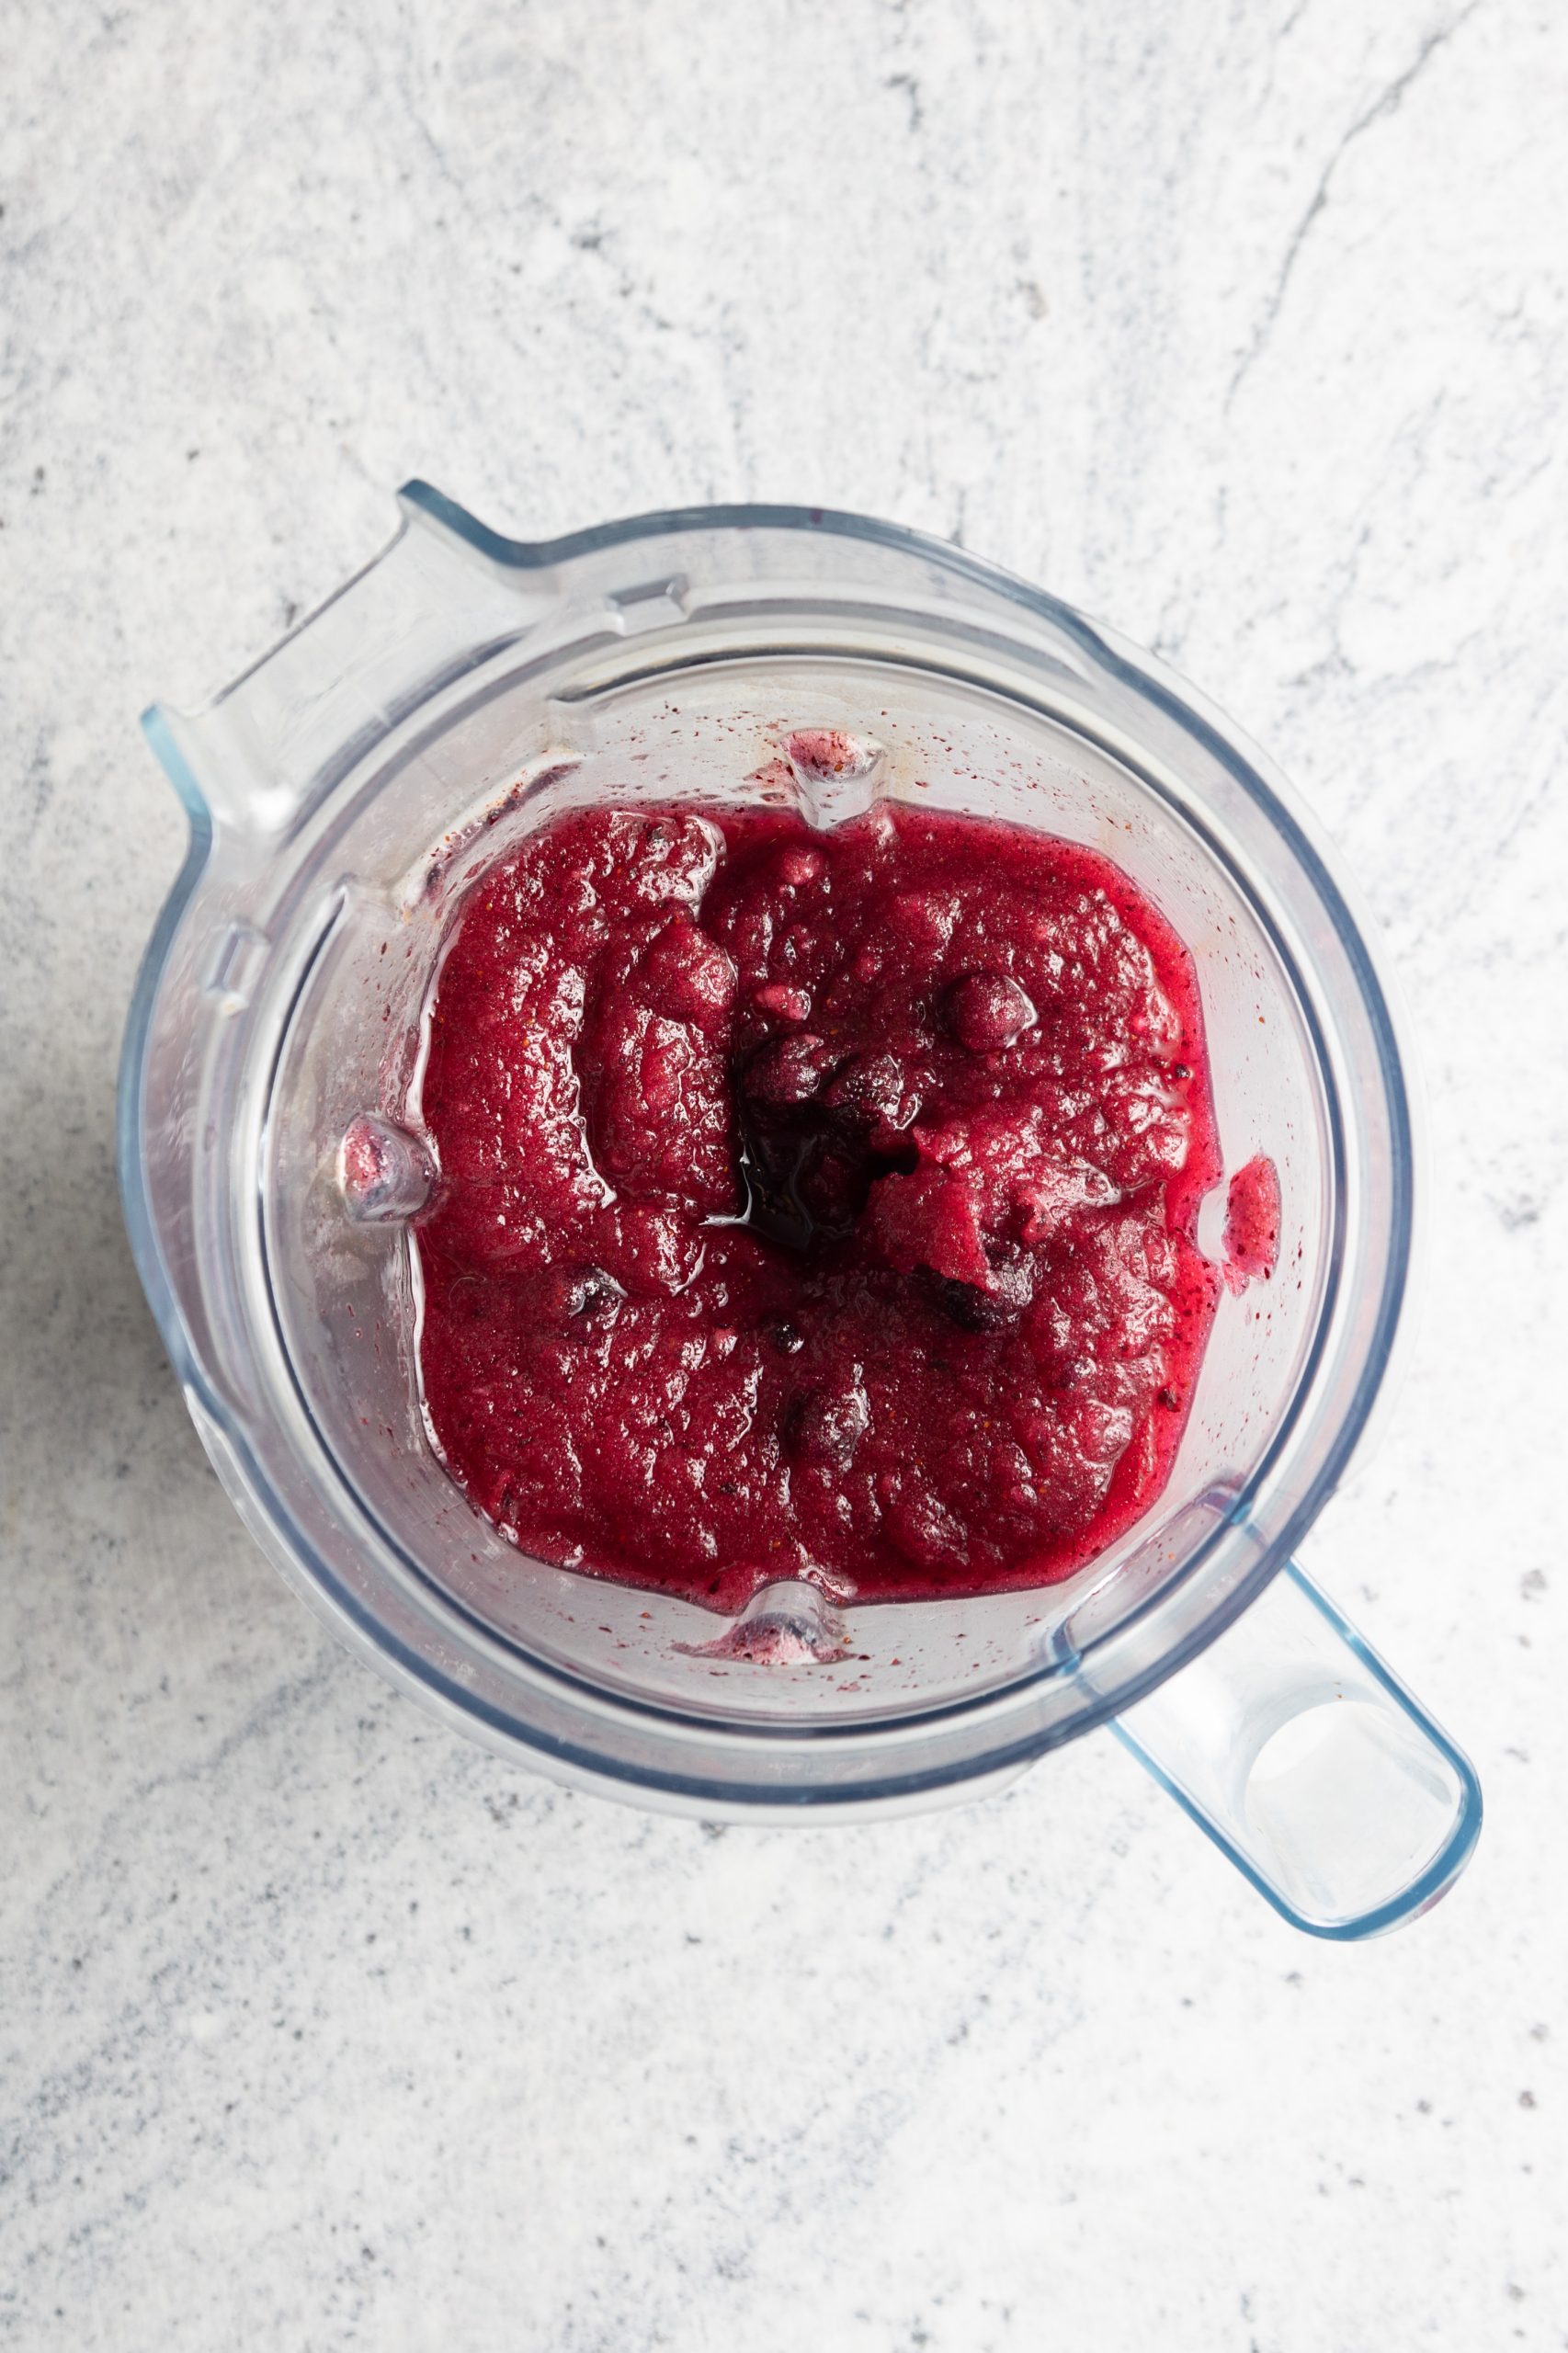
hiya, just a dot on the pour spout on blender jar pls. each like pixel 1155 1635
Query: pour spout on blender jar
pixel 422 614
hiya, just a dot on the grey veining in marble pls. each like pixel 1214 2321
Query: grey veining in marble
pixel 1245 326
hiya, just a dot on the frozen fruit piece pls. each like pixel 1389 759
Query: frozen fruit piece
pixel 781 1002
pixel 798 865
pixel 928 1534
pixel 686 975
pixel 1006 1291
pixel 921 922
pixel 978 1186
pixel 987 1011
pixel 788 1071
pixel 872 1089
pixel 658 1108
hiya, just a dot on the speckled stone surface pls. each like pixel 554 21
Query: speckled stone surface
pixel 1241 326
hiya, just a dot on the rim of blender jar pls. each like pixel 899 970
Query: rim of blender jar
pixel 1145 678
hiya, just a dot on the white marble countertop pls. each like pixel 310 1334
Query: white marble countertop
pixel 1243 327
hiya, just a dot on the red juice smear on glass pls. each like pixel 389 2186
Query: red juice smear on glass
pixel 1252 1224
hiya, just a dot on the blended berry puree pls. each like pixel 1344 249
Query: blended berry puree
pixel 814 1203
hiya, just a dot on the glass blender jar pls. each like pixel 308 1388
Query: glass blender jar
pixel 341 794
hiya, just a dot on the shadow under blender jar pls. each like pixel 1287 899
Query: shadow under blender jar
pixel 462 690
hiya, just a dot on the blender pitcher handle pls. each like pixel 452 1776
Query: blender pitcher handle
pixel 1291 1743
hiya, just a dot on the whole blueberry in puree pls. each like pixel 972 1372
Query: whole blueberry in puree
pixel 813 1203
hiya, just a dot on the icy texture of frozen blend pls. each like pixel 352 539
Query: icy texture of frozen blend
pixel 814 1203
